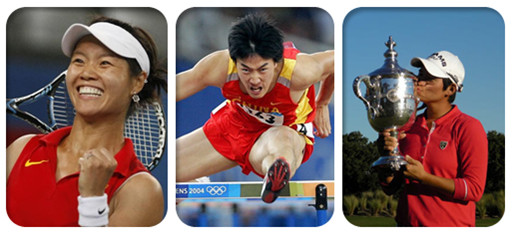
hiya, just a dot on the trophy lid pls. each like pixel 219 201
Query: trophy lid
pixel 391 67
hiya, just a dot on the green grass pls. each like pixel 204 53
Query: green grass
pixel 487 222
pixel 365 221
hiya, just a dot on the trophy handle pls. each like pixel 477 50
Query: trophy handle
pixel 357 91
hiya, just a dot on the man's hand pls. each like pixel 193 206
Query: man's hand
pixel 322 121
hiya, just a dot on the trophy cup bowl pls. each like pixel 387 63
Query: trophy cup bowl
pixel 390 102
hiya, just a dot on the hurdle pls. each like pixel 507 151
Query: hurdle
pixel 320 191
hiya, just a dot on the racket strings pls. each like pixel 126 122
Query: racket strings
pixel 145 127
pixel 63 109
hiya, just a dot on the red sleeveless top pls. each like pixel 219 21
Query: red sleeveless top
pixel 236 124
pixel 276 107
pixel 36 198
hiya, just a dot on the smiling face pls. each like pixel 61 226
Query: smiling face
pixel 257 75
pixel 98 80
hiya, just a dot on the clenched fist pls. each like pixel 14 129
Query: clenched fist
pixel 96 169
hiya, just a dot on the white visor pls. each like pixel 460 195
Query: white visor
pixel 112 36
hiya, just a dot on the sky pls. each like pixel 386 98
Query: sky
pixel 475 35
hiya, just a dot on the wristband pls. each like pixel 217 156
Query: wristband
pixel 93 211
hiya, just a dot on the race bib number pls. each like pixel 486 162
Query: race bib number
pixel 306 129
pixel 269 118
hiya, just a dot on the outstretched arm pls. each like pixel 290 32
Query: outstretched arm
pixel 209 71
pixel 322 120
pixel 313 68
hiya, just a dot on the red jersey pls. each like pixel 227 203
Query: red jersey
pixel 36 198
pixel 455 148
pixel 240 120
pixel 276 107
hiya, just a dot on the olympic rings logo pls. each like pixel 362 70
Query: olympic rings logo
pixel 216 190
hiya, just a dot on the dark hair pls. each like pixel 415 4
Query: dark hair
pixel 446 84
pixel 255 34
pixel 157 78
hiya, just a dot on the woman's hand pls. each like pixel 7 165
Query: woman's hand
pixel 390 142
pixel 414 170
pixel 96 169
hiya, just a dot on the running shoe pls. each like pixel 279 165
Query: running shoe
pixel 275 180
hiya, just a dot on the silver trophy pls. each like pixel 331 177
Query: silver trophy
pixel 390 102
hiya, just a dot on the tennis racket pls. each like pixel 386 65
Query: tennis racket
pixel 145 127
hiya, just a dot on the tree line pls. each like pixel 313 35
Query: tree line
pixel 362 195
pixel 359 153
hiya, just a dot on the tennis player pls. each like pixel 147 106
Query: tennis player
pixel 88 174
pixel 266 123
